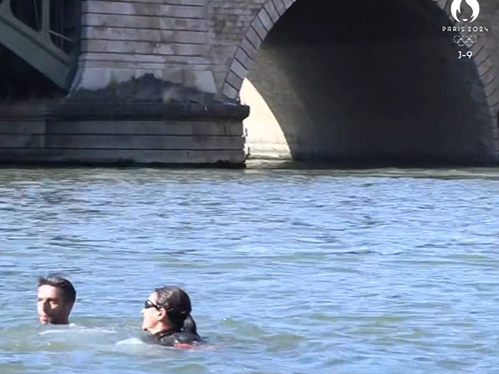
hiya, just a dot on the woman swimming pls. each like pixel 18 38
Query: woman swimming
pixel 167 316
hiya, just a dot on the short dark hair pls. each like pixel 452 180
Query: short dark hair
pixel 66 288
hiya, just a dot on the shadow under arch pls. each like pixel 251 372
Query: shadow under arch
pixel 364 82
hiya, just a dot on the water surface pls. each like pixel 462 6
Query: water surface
pixel 289 271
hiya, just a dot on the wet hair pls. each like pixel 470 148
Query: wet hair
pixel 64 286
pixel 178 307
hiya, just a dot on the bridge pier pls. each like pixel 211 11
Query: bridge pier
pixel 135 98
pixel 77 133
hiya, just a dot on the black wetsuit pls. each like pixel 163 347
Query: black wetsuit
pixel 173 338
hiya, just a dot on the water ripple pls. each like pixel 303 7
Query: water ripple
pixel 289 271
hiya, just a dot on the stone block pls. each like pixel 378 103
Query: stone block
pixel 266 21
pixel 238 69
pixel 234 80
pixel 143 9
pixel 259 29
pixel 95 78
pixel 120 141
pixel 243 58
pixel 249 49
pixel 271 11
pixel 129 128
pixel 280 6
pixel 82 157
pixel 139 61
pixel 22 127
pixel 203 80
pixel 229 91
pixel 144 48
pixel 144 35
pixel 253 38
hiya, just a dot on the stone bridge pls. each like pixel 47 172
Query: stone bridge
pixel 357 82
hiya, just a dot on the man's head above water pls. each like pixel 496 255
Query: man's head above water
pixel 56 297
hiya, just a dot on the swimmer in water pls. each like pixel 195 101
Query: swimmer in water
pixel 56 297
pixel 167 316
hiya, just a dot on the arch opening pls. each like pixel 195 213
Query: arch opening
pixel 365 82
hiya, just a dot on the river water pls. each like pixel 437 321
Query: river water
pixel 289 271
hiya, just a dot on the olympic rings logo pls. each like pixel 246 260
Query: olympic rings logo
pixel 465 40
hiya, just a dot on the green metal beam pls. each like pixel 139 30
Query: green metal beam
pixel 36 47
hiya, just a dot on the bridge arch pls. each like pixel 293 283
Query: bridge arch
pixel 474 139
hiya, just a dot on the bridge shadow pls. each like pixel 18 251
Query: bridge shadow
pixel 39 48
pixel 20 81
pixel 364 82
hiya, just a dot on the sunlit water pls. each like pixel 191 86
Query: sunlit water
pixel 288 271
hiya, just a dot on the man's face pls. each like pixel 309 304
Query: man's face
pixel 50 306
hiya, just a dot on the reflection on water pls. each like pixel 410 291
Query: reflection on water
pixel 289 271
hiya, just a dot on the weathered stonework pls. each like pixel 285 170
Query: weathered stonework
pixel 151 58
pixel 130 133
pixel 209 44
pixel 123 40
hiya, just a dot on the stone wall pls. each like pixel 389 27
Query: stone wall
pixel 40 134
pixel 127 39
pixel 191 42
pixel 228 22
